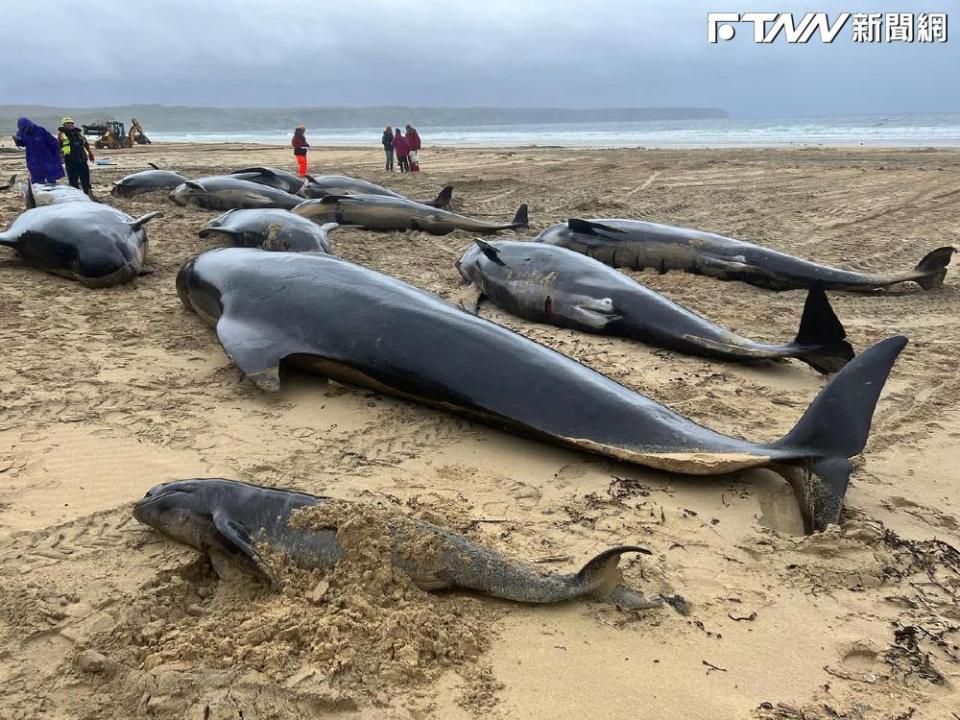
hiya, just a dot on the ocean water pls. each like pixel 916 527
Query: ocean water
pixel 933 130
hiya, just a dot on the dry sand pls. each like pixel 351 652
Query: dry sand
pixel 106 392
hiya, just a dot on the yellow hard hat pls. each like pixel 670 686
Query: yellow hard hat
pixel 67 120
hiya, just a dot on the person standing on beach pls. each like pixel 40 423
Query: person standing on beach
pixel 75 150
pixel 402 149
pixel 387 141
pixel 413 140
pixel 42 151
pixel 300 146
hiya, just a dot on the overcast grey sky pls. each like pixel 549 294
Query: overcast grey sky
pixel 520 53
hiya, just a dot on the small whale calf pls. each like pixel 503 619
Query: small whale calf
pixel 278 230
pixel 364 328
pixel 387 213
pixel 639 245
pixel 551 284
pixel 234 522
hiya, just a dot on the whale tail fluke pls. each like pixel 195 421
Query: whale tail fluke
pixel 933 268
pixel 521 219
pixel 834 428
pixel 821 329
pixel 443 198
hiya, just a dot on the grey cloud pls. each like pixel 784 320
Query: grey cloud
pixel 428 52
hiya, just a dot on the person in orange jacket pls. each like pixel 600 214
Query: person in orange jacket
pixel 300 147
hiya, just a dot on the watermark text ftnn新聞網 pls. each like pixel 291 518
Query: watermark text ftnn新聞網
pixel 865 28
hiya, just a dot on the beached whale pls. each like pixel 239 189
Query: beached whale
pixel 383 212
pixel 639 245
pixel 269 229
pixel 234 522
pixel 95 244
pixel 225 192
pixel 364 328
pixel 553 285
pixel 324 185
pixel 272 177
pixel 147 181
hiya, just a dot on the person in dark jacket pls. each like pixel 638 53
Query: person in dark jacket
pixel 300 147
pixel 413 140
pixel 402 149
pixel 42 151
pixel 75 150
pixel 387 141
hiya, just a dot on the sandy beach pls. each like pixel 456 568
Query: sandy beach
pixel 104 393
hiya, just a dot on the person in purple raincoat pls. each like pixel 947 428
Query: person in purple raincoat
pixel 42 150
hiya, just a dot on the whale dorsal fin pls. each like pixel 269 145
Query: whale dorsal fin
pixel 588 227
pixel 491 251
pixel 154 166
pixel 195 185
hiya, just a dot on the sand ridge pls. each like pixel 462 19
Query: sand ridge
pixel 105 393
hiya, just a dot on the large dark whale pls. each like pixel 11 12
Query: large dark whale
pixel 383 212
pixel 233 522
pixel 225 192
pixel 85 241
pixel 639 245
pixel 324 185
pixel 272 177
pixel 360 327
pixel 550 284
pixel 278 230
pixel 147 181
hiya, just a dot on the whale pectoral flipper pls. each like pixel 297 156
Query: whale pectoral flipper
pixel 236 537
pixel 256 351
pixel 141 221
pixel 469 299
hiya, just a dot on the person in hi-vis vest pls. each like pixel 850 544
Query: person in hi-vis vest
pixel 75 150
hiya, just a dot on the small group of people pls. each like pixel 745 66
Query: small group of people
pixel 405 146
pixel 48 155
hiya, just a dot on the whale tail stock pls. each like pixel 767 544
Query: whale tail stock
pixel 821 329
pixel 834 428
pixel 476 568
pixel 931 271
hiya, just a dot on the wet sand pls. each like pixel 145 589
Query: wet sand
pixel 105 393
